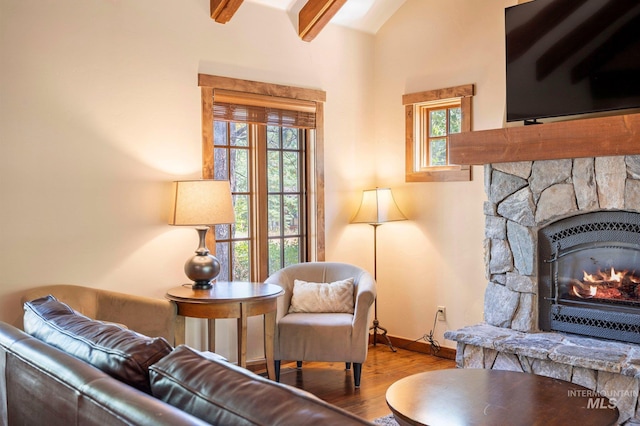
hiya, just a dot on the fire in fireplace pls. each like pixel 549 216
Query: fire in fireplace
pixel 589 275
pixel 609 285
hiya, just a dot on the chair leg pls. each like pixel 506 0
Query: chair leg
pixel 299 364
pixel 276 364
pixel 348 367
pixel 357 373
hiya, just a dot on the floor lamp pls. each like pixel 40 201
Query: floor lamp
pixel 377 207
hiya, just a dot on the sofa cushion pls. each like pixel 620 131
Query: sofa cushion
pixel 335 297
pixel 222 393
pixel 121 353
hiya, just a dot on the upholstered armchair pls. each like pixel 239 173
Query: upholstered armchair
pixel 149 316
pixel 323 336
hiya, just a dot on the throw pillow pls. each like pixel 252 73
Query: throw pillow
pixel 335 297
pixel 121 353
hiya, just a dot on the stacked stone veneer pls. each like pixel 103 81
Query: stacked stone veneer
pixel 522 198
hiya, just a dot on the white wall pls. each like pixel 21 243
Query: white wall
pixel 435 258
pixel 100 110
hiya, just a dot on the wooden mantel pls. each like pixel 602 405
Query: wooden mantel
pixel 591 137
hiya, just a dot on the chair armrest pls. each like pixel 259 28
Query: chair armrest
pixel 282 279
pixel 365 296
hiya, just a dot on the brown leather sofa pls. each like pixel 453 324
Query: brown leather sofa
pixel 73 370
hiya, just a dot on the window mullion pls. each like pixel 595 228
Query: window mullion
pixel 423 160
pixel 281 191
pixel 427 120
pixel 430 138
pixel 260 202
pixel 313 182
pixel 447 129
pixel 304 208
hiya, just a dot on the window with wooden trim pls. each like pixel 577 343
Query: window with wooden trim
pixel 266 140
pixel 431 117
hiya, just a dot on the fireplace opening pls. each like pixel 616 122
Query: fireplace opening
pixel 600 273
pixel 589 275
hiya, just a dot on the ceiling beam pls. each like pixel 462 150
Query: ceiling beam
pixel 222 10
pixel 315 15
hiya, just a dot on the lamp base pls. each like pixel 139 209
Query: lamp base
pixel 202 286
pixel 376 326
pixel 203 267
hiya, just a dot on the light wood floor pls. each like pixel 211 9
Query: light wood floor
pixel 332 383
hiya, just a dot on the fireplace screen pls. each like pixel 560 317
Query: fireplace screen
pixel 589 275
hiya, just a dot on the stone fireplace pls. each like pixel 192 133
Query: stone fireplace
pixel 527 203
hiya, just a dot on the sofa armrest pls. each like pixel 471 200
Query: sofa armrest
pixel 149 316
pixel 81 299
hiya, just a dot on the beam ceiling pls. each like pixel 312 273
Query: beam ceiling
pixel 313 16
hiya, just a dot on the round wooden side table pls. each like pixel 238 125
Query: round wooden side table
pixel 236 299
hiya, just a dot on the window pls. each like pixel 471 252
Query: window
pixel 430 118
pixel 268 147
pixel 439 121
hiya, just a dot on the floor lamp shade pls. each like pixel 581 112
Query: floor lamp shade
pixel 201 203
pixel 377 206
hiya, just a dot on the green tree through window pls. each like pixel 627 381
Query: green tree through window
pixel 237 147
pixel 285 177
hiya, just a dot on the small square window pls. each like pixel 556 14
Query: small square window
pixel 431 117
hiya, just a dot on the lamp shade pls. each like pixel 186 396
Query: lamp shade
pixel 378 206
pixel 201 202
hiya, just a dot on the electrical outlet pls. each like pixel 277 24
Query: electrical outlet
pixel 442 313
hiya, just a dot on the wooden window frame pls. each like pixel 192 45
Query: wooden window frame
pixel 315 146
pixel 448 173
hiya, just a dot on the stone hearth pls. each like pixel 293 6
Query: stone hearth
pixel 522 198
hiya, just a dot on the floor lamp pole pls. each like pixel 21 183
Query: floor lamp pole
pixel 376 324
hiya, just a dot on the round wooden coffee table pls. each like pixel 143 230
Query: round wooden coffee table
pixel 494 397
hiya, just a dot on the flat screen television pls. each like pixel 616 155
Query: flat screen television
pixel 570 57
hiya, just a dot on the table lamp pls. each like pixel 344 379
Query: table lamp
pixel 201 203
pixel 376 208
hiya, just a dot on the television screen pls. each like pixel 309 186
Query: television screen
pixel 569 57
